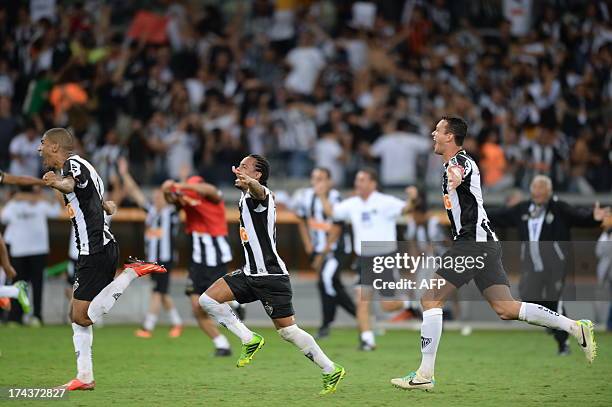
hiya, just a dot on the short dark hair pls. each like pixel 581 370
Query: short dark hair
pixel 371 172
pixel 61 136
pixel 262 165
pixel 323 169
pixel 458 127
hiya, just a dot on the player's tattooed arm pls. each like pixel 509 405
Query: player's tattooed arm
pixel 63 184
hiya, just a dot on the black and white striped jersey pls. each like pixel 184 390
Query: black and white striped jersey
pixel 309 207
pixel 258 235
pixel 73 250
pixel 84 205
pixel 210 250
pixel 161 227
pixel 464 205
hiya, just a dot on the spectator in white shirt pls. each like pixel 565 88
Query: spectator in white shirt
pixel 24 152
pixel 27 235
pixel 398 151
pixel 306 62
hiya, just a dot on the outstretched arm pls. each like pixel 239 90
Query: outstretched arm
pixel 208 191
pixel 24 180
pixel 131 186
pixel 581 217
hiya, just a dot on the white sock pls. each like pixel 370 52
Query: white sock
pixel 431 330
pixel 368 337
pixel 8 291
pixel 234 304
pixel 535 314
pixel 149 322
pixel 104 301
pixel 82 338
pixel 224 315
pixel 221 342
pixel 306 343
pixel 175 318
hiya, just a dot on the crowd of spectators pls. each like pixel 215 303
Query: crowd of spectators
pixel 189 87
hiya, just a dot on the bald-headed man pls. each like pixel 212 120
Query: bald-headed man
pixel 544 218
pixel 95 288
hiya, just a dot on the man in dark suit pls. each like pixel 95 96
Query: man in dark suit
pixel 544 225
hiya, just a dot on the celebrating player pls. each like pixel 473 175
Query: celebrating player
pixel 210 252
pixel 264 277
pixel 161 224
pixel 95 288
pixel 473 236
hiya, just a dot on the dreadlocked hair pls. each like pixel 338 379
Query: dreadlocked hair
pixel 263 166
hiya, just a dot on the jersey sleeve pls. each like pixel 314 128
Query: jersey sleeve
pixel 266 199
pixel 74 169
pixel 258 204
pixel 464 164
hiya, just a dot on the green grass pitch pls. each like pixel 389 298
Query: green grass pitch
pixel 488 368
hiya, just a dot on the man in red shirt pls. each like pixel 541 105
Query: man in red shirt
pixel 205 223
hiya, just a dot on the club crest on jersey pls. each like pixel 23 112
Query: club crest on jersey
pixel 447 202
pixel 244 236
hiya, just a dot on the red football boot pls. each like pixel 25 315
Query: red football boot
pixel 76 384
pixel 142 268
